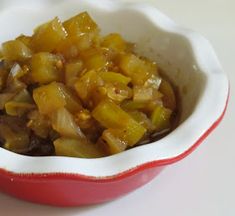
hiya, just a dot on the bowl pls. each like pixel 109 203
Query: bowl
pixel 187 58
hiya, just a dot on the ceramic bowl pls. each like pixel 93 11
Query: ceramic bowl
pixel 187 58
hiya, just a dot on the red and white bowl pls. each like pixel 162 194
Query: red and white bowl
pixel 188 59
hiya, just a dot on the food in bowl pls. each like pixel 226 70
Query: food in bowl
pixel 66 90
pixel 186 57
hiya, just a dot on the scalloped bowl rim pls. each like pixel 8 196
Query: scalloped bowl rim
pixel 164 151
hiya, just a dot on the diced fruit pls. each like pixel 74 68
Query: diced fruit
pixel 44 69
pixel 133 105
pixel 137 69
pixel 142 94
pixel 113 141
pixel 94 59
pixel 154 82
pixel 99 94
pixel 161 118
pixel 111 115
pixel 114 41
pixel 16 50
pixel 142 119
pixel 71 47
pixel 49 98
pixel 72 70
pixel 82 34
pixel 76 148
pixel 118 92
pixel 113 77
pixel 25 40
pixel 82 23
pixel 47 36
pixel 54 96
pixel 86 84
pixel 133 133
pixel 96 62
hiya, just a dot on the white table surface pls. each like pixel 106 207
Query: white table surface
pixel 203 184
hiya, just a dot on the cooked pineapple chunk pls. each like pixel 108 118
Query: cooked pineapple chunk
pixel 49 98
pixel 47 36
pixel 142 119
pixel 120 138
pixel 137 69
pixel 82 34
pixel 111 115
pixel 133 105
pixel 99 94
pixel 133 133
pixel 113 77
pixel 72 70
pixel 96 62
pixel 169 99
pixel 161 118
pixel 118 92
pixel 25 40
pixel 16 50
pixel 76 148
pixel 71 47
pixel 114 41
pixel 142 94
pixel 44 68
pixel 86 84
pixel 54 96
pixel 94 59
pixel 82 23
pixel 154 82
pixel 113 141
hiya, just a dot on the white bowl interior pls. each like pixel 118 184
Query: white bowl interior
pixel 186 58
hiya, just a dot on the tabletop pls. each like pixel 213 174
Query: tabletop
pixel 204 182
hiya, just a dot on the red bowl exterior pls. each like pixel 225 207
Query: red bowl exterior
pixel 61 189
pixel 68 190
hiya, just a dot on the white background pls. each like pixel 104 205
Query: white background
pixel 203 184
